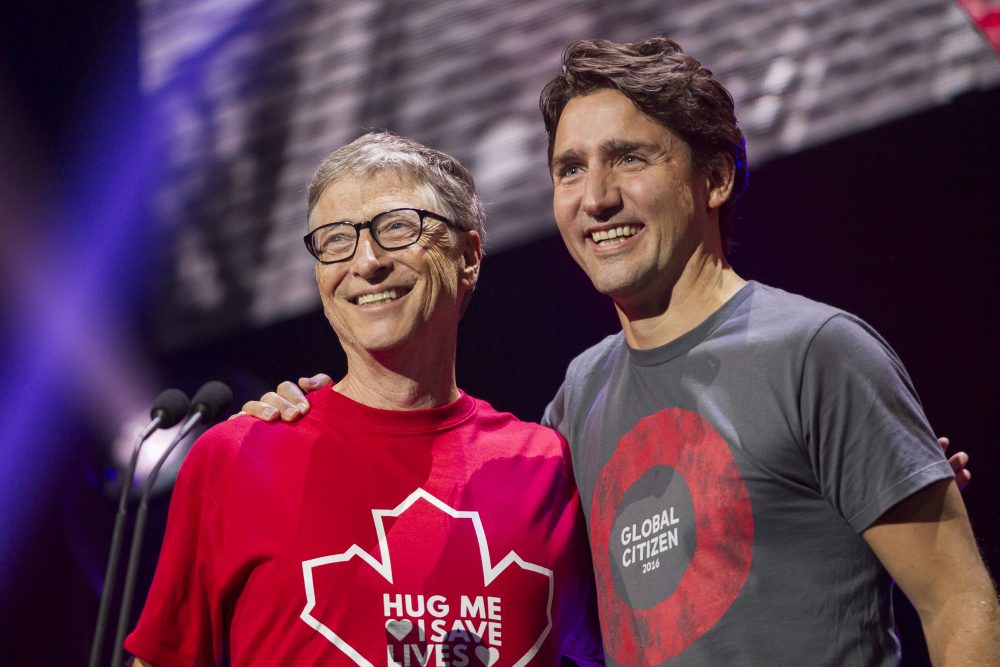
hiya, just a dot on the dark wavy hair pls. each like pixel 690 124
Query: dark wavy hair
pixel 667 85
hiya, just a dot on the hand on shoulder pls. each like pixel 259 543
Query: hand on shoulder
pixel 287 403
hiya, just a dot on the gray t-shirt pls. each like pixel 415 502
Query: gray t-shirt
pixel 727 478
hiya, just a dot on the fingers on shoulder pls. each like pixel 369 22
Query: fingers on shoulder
pixel 317 381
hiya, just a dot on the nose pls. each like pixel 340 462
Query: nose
pixel 370 260
pixel 602 197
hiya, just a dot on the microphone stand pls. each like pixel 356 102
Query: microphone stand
pixel 140 528
pixel 207 401
pixel 111 572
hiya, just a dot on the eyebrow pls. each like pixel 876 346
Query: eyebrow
pixel 619 146
pixel 607 148
pixel 564 158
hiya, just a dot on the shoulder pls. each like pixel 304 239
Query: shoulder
pixel 213 453
pixel 246 443
pixel 505 423
pixel 773 312
pixel 600 355
pixel 781 325
pixel 815 333
pixel 848 342
pixel 594 362
pixel 220 443
pixel 492 423
pixel 823 327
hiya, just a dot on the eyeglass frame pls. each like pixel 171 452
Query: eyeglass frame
pixel 367 224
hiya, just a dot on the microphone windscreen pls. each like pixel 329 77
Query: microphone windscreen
pixel 212 397
pixel 170 406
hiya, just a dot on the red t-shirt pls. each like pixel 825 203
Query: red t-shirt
pixel 357 536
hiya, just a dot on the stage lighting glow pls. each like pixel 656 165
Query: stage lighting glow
pixel 152 449
pixel 73 270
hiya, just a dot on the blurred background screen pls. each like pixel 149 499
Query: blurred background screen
pixel 249 96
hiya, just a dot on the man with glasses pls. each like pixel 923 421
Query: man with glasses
pixel 392 230
pixel 381 528
pixel 755 466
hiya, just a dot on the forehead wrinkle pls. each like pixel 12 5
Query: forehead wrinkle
pixel 421 195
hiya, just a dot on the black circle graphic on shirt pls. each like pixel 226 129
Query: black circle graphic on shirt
pixel 652 538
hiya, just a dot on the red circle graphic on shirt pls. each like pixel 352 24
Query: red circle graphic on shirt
pixel 723 526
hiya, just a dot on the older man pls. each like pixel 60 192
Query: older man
pixel 380 529
pixel 755 466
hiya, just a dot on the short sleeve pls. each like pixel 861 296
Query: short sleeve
pixel 181 622
pixel 867 438
pixel 582 642
pixel 555 410
pixel 584 645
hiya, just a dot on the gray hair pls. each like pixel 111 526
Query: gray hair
pixel 389 152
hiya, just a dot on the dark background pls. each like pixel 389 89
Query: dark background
pixel 897 224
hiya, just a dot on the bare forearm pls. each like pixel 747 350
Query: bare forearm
pixel 965 631
pixel 927 545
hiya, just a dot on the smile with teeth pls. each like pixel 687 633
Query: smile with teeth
pixel 378 297
pixel 612 236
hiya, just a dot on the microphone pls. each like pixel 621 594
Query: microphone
pixel 168 409
pixel 205 405
pixel 210 398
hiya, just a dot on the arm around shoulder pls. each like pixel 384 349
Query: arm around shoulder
pixel 926 544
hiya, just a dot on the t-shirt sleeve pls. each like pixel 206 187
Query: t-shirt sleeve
pixel 597 359
pixel 181 622
pixel 554 411
pixel 867 438
pixel 584 645
pixel 555 415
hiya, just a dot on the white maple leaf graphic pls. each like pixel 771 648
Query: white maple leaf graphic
pixel 383 566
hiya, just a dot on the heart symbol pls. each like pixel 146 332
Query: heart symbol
pixel 399 629
pixel 487 656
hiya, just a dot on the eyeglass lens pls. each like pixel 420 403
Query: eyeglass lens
pixel 392 230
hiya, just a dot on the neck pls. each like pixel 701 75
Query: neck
pixel 400 380
pixel 704 285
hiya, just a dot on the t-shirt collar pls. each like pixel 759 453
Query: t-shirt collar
pixel 685 343
pixel 428 420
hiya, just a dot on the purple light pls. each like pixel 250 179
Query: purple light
pixel 71 278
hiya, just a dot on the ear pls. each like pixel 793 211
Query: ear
pixel 721 177
pixel 472 259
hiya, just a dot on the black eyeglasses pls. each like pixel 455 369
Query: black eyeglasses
pixel 392 230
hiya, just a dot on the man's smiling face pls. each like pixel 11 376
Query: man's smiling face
pixel 380 300
pixel 629 204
